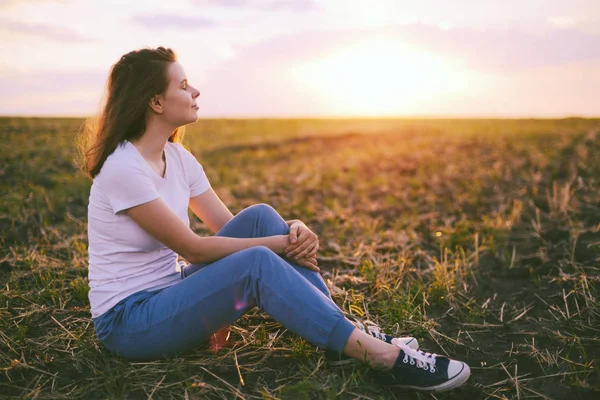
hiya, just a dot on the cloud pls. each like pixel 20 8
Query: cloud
pixel 530 73
pixel 15 83
pixel 162 21
pixel 221 3
pixel 564 21
pixel 257 82
pixel 10 3
pixel 52 32
pixel 53 92
pixel 491 50
pixel 497 49
pixel 292 5
pixel 263 5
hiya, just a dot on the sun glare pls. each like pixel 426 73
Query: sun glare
pixel 382 77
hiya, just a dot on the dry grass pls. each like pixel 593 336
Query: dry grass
pixel 480 237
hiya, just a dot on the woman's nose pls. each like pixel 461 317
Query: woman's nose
pixel 196 93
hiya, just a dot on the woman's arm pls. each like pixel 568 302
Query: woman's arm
pixel 211 210
pixel 156 218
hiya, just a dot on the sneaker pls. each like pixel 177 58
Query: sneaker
pixel 335 360
pixel 418 370
pixel 375 331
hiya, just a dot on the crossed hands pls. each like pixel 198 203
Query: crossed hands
pixel 303 247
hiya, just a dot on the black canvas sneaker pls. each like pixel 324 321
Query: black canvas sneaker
pixel 335 360
pixel 418 370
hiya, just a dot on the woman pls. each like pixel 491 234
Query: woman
pixel 144 304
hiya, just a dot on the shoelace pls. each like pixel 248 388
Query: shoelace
pixel 421 359
pixel 373 330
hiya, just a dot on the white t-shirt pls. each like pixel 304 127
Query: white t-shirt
pixel 123 258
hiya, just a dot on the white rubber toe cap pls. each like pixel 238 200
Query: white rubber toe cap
pixel 458 369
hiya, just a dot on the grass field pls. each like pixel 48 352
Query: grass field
pixel 479 237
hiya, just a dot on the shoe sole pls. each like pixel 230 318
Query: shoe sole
pixel 458 380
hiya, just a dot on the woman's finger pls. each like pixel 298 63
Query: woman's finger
pixel 313 267
pixel 314 251
pixel 301 240
pixel 299 249
pixel 308 263
pixel 307 251
pixel 294 233
pixel 314 263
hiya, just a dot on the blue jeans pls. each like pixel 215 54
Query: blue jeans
pixel 150 325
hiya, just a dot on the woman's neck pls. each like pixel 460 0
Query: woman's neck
pixel 152 143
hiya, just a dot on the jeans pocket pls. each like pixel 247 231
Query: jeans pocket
pixel 103 325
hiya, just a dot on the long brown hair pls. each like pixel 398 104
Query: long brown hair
pixel 133 81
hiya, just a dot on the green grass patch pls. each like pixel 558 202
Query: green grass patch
pixel 479 237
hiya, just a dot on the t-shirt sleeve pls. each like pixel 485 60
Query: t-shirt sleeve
pixel 197 179
pixel 126 185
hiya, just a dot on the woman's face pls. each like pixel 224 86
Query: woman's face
pixel 179 101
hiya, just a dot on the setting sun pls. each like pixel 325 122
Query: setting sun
pixel 381 76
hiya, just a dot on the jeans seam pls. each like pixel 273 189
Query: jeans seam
pixel 224 288
pixel 174 315
pixel 311 321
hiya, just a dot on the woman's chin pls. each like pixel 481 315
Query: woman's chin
pixel 191 120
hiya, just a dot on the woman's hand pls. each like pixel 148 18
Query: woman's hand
pixel 310 263
pixel 304 242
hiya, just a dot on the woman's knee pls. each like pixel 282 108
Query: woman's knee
pixel 265 260
pixel 267 220
pixel 261 254
pixel 262 210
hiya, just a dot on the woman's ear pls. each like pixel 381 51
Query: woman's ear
pixel 156 104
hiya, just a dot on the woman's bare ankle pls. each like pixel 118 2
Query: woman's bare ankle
pixel 376 353
pixel 385 360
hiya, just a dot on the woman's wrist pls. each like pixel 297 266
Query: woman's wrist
pixel 279 243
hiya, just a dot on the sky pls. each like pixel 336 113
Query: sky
pixel 308 58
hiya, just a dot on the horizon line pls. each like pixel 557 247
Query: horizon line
pixel 414 116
